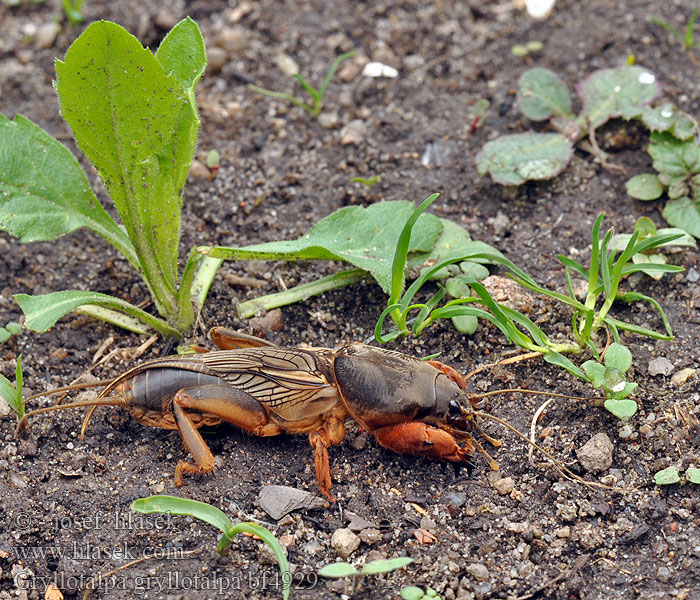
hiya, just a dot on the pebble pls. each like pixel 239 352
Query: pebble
pixel 693 276
pixel 198 170
pixel 4 407
pixel 428 524
pixel 216 59
pixel 597 454
pixel 682 376
pixel 345 542
pixel 660 366
pixel 279 500
pixel 478 571
pixel 233 40
pixel 46 34
pixel 626 432
pixel 504 486
pixel 371 535
pixel 352 133
pixel 286 64
pixel 663 574
pixel 328 120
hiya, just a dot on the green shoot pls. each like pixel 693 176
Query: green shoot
pixel 525 50
pixel 217 518
pixel 135 117
pixel 375 567
pixel 412 592
pixel 316 94
pixel 367 181
pixel 13 393
pixel 610 377
pixel 667 476
pixel 73 11
pixel 687 38
pixel 11 328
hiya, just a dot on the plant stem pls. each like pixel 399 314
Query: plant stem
pixel 301 292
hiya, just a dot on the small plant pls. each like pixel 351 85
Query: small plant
pixel 687 38
pixel 13 393
pixel 645 228
pixel 525 50
pixel 671 475
pixel 367 181
pixel 412 592
pixel 375 567
pixel 217 518
pixel 135 117
pixel 73 10
pixel 542 96
pixel 610 377
pixel 316 94
pixel 366 238
pixel 9 330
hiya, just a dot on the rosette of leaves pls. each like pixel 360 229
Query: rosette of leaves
pixel 675 155
pixel 134 115
pixel 543 96
pixel 610 377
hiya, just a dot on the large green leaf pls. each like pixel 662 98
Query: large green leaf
pixel 129 118
pixel 43 191
pixel 514 159
pixel 683 213
pixel 541 95
pixel 620 92
pixel 672 157
pixel 364 237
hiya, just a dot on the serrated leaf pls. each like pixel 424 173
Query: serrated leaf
pixel 43 191
pixel 135 123
pixel 542 94
pixel 692 474
pixel 644 187
pixel 514 159
pixel 667 476
pixel 619 92
pixel 618 357
pixel 622 409
pixel 364 237
pixel 683 213
pixel 673 157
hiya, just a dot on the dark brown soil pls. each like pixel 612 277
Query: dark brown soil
pixel 64 501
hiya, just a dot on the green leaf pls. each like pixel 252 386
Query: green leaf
pixel 385 566
pixel 692 475
pixel 465 324
pixel 13 328
pixel 673 157
pixel 43 191
pixel 683 213
pixel 667 476
pixel 338 569
pixel 626 390
pixel 514 159
pixel 618 357
pixel 184 506
pixel 10 394
pixel 542 95
pixel 4 335
pixel 667 118
pixel 43 311
pixel 364 237
pixel 136 125
pixel 645 187
pixel 411 592
pixel 622 409
pixel 595 373
pixel 619 92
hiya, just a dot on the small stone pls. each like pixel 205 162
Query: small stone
pixel 166 19
pixel 19 481
pixel 663 574
pixel 660 366
pixel 478 571
pixel 272 321
pixel 4 407
pixel 328 120
pixel 286 64
pixel 350 70
pixel 597 454
pixel 504 486
pixel 625 432
pixel 198 170
pixel 679 378
pixel 352 133
pixel 279 500
pixel 312 548
pixel 428 524
pixel 360 442
pixel 371 535
pixel 216 59
pixel 693 276
pixel 563 532
pixel 46 34
pixel 344 542
pixel 233 40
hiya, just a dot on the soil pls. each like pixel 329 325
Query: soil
pixel 522 532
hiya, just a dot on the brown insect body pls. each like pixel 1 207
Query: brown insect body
pixel 410 406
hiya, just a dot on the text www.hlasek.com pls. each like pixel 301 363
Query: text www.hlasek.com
pixel 88 551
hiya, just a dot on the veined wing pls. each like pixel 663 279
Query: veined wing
pixel 291 382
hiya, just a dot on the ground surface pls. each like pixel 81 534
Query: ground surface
pixel 64 501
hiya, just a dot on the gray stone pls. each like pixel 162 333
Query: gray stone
pixel 597 454
pixel 344 542
pixel 660 366
pixel 279 500
pixel 478 571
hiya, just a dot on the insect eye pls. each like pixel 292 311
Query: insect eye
pixel 455 409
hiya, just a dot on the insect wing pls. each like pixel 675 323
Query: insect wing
pixel 292 383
